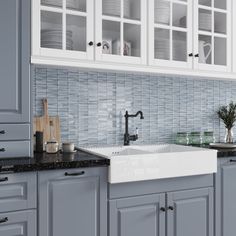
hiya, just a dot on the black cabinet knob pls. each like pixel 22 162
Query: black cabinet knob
pixel 3 220
pixel 4 179
pixel 2 132
pixel 90 43
pixel 171 208
pixel 99 44
pixel 190 54
pixel 163 209
pixel 196 55
pixel 2 149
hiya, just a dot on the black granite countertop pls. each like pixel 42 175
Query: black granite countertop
pixel 44 161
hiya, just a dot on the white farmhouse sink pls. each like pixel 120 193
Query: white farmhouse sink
pixel 137 163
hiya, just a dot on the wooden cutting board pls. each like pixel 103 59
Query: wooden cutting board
pixel 47 124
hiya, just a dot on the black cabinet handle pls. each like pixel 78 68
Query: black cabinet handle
pixel 75 174
pixel 196 55
pixel 4 179
pixel 90 43
pixel 2 149
pixel 2 131
pixel 232 160
pixel 163 209
pixel 99 44
pixel 190 54
pixel 171 208
pixel 3 220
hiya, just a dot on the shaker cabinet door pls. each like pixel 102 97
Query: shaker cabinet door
pixel 137 216
pixel 15 61
pixel 190 212
pixel 72 202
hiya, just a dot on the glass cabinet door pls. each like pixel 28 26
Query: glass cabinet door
pixel 65 28
pixel 121 30
pixel 170 32
pixel 213 33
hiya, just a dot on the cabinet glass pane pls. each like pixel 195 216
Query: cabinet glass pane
pixel 205 2
pixel 51 30
pixel 205 49
pixel 220 23
pixel 179 49
pixel 52 3
pixel 76 33
pixel 162 12
pixel 179 15
pixel 111 37
pixel 162 44
pixel 132 9
pixel 221 4
pixel 79 5
pixel 220 51
pixel 111 7
pixel 205 20
pixel 132 40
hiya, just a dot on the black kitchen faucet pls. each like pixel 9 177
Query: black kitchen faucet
pixel 127 137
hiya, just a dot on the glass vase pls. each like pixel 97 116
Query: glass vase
pixel 229 136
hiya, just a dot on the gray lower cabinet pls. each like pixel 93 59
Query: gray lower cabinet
pixel 22 223
pixel 226 198
pixel 137 216
pixel 190 212
pixel 177 213
pixel 73 202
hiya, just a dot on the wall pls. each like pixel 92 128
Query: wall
pixel 91 105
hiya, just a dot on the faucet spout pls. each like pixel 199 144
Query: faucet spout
pixel 127 137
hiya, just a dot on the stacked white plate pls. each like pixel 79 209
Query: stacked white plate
pixel 113 7
pixel 162 12
pixel 69 3
pixel 162 49
pixel 53 39
pixel 204 21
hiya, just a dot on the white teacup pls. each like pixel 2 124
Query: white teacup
pixel 68 147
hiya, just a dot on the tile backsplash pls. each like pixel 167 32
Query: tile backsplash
pixel 91 105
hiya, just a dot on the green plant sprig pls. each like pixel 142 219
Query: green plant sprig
pixel 228 114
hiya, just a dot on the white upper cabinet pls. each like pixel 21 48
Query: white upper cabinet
pixel 190 34
pixel 121 31
pixel 63 29
pixel 191 37
pixel 170 33
pixel 212 35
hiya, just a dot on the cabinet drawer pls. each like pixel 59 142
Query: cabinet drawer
pixel 17 191
pixel 14 132
pixel 18 223
pixel 14 149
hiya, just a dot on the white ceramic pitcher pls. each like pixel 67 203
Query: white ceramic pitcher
pixel 203 55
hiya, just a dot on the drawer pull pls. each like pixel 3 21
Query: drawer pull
pixel 4 179
pixel 75 174
pixel 2 131
pixel 232 160
pixel 2 149
pixel 3 220
pixel 171 208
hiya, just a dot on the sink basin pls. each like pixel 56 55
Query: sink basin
pixel 146 162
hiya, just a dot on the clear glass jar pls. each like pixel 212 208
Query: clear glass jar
pixel 52 147
pixel 195 139
pixel 182 138
pixel 208 137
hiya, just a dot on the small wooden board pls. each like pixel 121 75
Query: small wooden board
pixel 42 123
